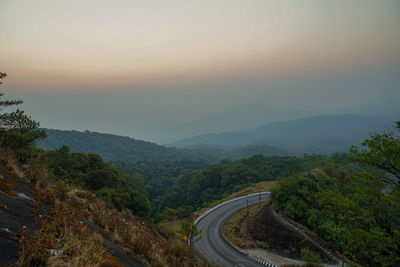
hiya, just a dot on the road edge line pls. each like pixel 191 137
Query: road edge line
pixel 198 219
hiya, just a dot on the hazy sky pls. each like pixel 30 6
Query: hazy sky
pixel 131 66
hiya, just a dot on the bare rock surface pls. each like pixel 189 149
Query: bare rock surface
pixel 18 213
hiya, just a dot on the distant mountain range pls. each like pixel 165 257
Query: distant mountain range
pixel 232 119
pixel 120 148
pixel 319 134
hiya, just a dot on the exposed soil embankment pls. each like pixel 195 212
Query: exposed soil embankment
pixel 272 233
pixel 267 230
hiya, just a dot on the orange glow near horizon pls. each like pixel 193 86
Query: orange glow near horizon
pixel 96 44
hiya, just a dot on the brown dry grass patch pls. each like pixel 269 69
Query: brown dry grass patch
pixel 235 228
pixel 265 186
pixel 63 240
pixel 111 261
pixel 6 186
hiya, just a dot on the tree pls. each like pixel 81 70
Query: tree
pixel 184 211
pixel 17 130
pixel 190 231
pixel 6 103
pixel 382 151
pixel 358 212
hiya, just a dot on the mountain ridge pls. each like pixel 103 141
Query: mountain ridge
pixel 113 147
pixel 319 134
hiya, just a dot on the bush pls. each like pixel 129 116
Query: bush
pixel 310 256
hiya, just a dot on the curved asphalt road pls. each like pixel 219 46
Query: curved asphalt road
pixel 212 245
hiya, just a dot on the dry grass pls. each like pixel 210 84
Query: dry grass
pixel 265 186
pixel 64 240
pixel 111 261
pixel 9 161
pixel 135 234
pixel 169 229
pixel 235 228
pixel 35 173
pixel 6 186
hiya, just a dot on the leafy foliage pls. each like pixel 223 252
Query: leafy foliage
pixel 190 231
pixel 309 256
pixel 358 213
pixel 201 188
pixel 159 176
pixel 381 151
pixel 119 190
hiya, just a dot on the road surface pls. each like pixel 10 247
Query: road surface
pixel 212 245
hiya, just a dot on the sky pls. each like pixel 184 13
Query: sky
pixel 146 68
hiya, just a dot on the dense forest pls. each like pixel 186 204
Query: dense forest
pixel 201 188
pixel 108 146
pixel 159 176
pixel 120 190
pixel 358 213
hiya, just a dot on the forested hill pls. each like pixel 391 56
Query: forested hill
pixel 119 148
pixel 108 146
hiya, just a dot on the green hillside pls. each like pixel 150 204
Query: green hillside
pixel 121 148
pixel 108 146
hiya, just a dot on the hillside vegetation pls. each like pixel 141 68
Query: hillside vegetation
pixel 79 229
pixel 108 146
pixel 119 148
pixel 357 213
pixel 198 189
pixel 119 190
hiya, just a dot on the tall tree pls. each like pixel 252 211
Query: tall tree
pixel 6 103
pixel 17 130
pixel 381 151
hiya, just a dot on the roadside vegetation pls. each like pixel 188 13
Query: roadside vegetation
pixel 235 229
pixel 203 188
pixel 358 213
pixel 119 190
